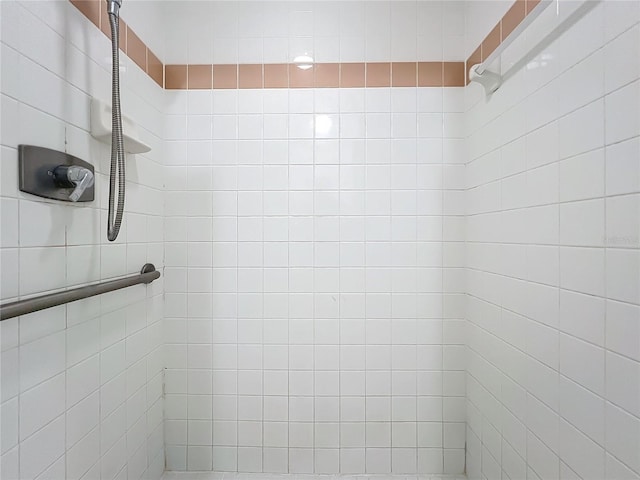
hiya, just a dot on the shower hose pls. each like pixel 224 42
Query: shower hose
pixel 117 145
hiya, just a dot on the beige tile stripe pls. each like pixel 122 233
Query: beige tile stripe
pixel 321 75
pixel 130 43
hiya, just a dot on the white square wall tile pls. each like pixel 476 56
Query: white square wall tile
pixel 300 460
pixel 582 130
pixel 581 176
pixel 32 370
pixel 41 404
pixel 582 270
pixel 574 354
pixel 579 452
pixel 622 384
pixel 81 457
pixel 582 223
pixel 623 167
pixel 583 409
pixel 623 226
pixel 9 412
pixel 583 316
pixel 622 329
pixel 622 119
pixel 622 439
pixel 33 260
pixel 199 458
pixel 623 281
pixel 40 450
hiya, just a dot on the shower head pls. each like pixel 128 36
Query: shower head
pixel 113 7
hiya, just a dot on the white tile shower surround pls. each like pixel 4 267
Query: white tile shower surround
pixel 81 384
pixel 284 476
pixel 553 257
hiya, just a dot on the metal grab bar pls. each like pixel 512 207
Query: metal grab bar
pixel 21 307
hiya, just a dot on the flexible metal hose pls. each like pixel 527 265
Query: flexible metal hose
pixel 117 145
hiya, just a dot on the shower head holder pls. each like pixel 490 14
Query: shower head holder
pixel 113 7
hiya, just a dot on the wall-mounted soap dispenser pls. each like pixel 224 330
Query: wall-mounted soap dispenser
pixel 52 174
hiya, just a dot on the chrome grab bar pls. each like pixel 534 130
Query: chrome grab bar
pixel 21 307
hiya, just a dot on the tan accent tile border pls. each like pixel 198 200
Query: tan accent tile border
pixel 90 9
pixel 136 50
pixel 276 75
pixel 378 75
pixel 453 74
pixel 474 59
pixel 130 44
pixel 492 40
pixel 430 74
pixel 199 77
pixel 175 77
pixel 225 76
pixel 404 74
pixel 250 76
pixel 531 4
pixel 323 75
pixel 105 27
pixel 513 17
pixel 507 24
pixel 327 75
pixel 299 78
pixel 155 68
pixel 352 75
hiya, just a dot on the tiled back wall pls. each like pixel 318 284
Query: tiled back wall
pixel 314 280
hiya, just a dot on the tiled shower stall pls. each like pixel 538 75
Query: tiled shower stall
pixel 370 266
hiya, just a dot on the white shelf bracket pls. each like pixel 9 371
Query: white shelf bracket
pixel 489 80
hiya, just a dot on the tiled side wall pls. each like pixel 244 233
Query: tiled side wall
pixel 129 42
pixel 314 280
pixel 553 256
pixel 81 385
